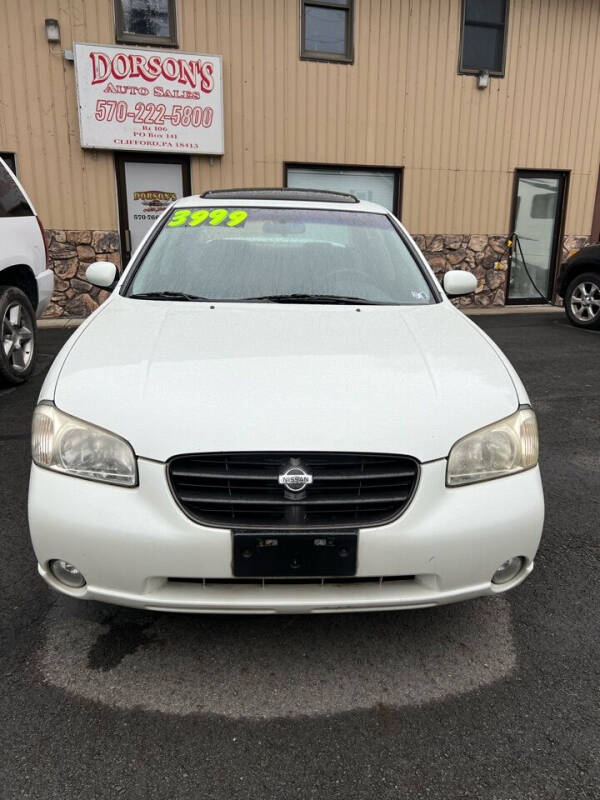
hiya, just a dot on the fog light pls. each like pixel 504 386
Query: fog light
pixel 507 571
pixel 66 573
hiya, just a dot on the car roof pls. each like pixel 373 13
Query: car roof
pixel 247 202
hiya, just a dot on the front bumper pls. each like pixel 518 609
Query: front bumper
pixel 129 542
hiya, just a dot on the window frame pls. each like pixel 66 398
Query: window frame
pixel 323 55
pixel 120 159
pixel 463 23
pixel 397 172
pixel 554 276
pixel 122 37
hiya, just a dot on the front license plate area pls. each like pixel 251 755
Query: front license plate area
pixel 289 555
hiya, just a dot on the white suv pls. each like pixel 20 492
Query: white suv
pixel 279 409
pixel 26 282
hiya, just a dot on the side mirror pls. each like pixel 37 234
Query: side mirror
pixel 102 274
pixel 457 282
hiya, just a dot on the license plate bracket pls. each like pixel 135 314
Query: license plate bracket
pixel 276 554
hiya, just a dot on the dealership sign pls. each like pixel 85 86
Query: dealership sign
pixel 152 100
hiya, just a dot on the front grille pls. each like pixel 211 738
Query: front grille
pixel 241 490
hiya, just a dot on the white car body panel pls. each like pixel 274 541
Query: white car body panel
pixel 451 540
pixel 176 378
pixel 45 284
pixel 23 244
pixel 277 377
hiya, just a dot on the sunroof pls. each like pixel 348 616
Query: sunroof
pixel 310 195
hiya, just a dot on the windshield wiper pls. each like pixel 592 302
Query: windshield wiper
pixel 322 299
pixel 312 298
pixel 167 296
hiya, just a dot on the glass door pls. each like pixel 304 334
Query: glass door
pixel 146 186
pixel 537 220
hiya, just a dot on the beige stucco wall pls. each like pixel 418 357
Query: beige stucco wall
pixel 400 104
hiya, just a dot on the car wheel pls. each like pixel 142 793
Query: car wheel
pixel 17 336
pixel 582 300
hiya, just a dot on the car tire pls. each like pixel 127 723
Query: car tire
pixel 582 301
pixel 18 336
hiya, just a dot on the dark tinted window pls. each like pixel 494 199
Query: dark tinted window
pixel 12 202
pixel 9 158
pixel 146 21
pixel 483 36
pixel 327 29
pixel 485 11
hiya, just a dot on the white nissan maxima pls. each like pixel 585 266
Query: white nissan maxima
pixel 279 410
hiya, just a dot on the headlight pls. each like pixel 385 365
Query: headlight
pixel 74 447
pixel 508 446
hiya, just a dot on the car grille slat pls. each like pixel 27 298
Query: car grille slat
pixel 241 490
pixel 319 475
pixel 201 498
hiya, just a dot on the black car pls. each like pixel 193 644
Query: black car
pixel 579 286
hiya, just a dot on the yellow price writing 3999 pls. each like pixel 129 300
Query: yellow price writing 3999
pixel 216 216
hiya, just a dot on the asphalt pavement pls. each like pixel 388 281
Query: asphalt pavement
pixel 495 699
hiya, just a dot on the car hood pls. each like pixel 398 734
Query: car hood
pixel 176 377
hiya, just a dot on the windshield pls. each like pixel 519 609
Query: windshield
pixel 280 254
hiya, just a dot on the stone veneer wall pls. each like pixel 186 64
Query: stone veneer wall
pixel 71 252
pixel 571 243
pixel 485 256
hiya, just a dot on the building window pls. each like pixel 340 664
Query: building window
pixel 377 184
pixel 483 42
pixel 146 22
pixel 9 159
pixel 326 30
